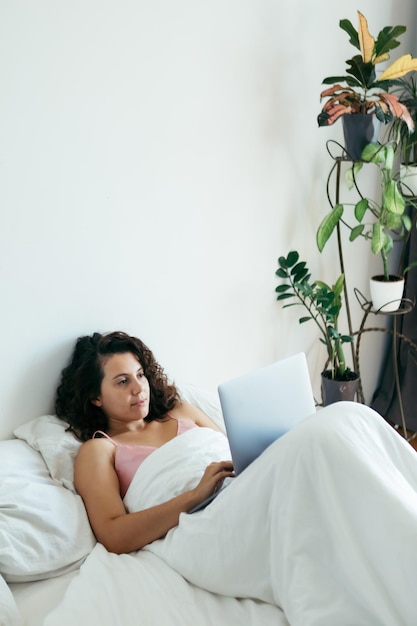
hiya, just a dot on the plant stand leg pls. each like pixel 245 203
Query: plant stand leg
pixel 397 378
pixel 342 270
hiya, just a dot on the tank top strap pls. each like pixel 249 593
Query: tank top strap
pixel 182 424
pixel 101 432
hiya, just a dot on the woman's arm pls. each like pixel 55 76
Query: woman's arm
pixel 120 532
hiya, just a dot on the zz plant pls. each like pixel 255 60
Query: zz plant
pixel 323 304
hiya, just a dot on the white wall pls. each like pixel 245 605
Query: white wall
pixel 155 160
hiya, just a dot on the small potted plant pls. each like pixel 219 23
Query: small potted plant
pixel 388 221
pixel 360 97
pixel 323 304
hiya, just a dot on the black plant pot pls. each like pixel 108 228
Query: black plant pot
pixel 338 390
pixel 359 129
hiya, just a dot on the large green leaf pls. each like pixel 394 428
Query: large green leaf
pixel 282 288
pixel 356 232
pixel 328 225
pixel 292 258
pixel 364 73
pixel 378 238
pixel 374 153
pixel 281 273
pixel 393 200
pixel 386 39
pixel 299 273
pixel 349 80
pixel 338 286
pixel 304 280
pixel 347 26
pixel 299 267
pixel 361 208
pixel 324 287
pixel 393 221
pixel 407 223
pixel 388 244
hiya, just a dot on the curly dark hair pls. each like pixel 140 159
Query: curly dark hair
pixel 81 382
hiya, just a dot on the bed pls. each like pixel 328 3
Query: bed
pixel 46 543
pixel 54 573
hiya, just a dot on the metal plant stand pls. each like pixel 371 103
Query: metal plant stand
pixel 406 304
pixel 405 307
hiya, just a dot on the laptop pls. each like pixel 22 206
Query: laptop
pixel 261 406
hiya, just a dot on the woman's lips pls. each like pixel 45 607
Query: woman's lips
pixel 140 403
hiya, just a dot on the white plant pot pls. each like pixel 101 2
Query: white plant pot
pixel 386 295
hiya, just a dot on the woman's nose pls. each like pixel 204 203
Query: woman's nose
pixel 137 387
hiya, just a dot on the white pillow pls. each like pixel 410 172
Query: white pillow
pixel 44 528
pixel 205 400
pixel 58 447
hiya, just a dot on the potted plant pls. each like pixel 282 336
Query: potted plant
pixel 323 304
pixel 388 221
pixel 364 97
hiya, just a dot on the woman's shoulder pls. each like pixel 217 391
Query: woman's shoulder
pixel 95 447
pixel 94 464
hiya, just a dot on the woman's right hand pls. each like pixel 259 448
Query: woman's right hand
pixel 212 479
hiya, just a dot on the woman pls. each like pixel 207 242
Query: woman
pixel 323 523
pixel 117 399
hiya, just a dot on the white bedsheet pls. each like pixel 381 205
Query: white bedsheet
pixel 9 613
pixel 323 524
pixel 35 600
pixel 127 590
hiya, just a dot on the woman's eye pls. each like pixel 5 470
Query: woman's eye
pixel 122 382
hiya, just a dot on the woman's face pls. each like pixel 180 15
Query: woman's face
pixel 124 393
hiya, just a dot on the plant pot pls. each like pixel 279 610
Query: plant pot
pixel 338 390
pixel 386 295
pixel 359 129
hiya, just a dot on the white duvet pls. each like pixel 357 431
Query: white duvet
pixel 9 614
pixel 320 530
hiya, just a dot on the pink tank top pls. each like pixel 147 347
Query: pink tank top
pixel 128 457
